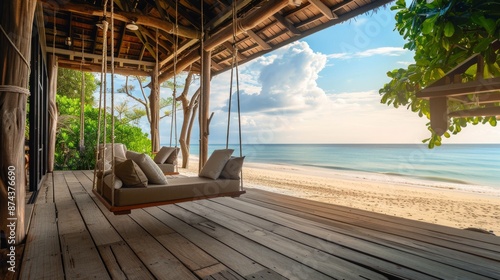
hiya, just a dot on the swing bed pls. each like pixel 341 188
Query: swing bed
pixel 221 176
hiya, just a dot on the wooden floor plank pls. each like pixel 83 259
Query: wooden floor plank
pixel 188 253
pixel 320 260
pixel 260 235
pixel 469 245
pixel 158 260
pixel 421 253
pixel 359 214
pixel 81 258
pixel 46 192
pixel 42 256
pixel 245 245
pixel 308 234
pixel 389 253
pixel 122 263
pixel 230 257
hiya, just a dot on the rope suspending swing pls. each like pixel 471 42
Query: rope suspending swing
pixel 122 200
pixel 234 69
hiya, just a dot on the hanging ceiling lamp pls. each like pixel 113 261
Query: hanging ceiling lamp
pixel 68 41
pixel 132 26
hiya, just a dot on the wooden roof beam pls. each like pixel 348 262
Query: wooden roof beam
pixel 259 40
pixel 478 112
pixel 96 57
pixel 179 50
pixel 481 98
pixel 181 66
pixel 95 68
pixel 479 86
pixel 140 19
pixel 309 21
pixel 327 12
pixel 228 11
pixel 120 42
pixel 229 46
pixel 246 23
pixel 287 24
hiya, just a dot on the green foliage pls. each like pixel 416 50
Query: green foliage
pixel 443 33
pixel 68 155
pixel 69 83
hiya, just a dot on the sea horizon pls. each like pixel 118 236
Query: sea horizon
pixel 470 167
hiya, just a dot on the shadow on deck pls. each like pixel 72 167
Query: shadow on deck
pixel 260 235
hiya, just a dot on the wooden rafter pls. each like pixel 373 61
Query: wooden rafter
pixel 120 42
pixel 227 13
pixel 327 12
pixel 76 56
pixel 287 24
pixel 129 16
pixel 259 40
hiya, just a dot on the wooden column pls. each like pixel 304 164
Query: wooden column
pixel 154 107
pixel 53 112
pixel 17 22
pixel 205 106
pixel 439 114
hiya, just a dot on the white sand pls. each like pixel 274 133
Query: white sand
pixel 433 202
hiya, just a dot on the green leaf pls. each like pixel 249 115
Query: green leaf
pixel 445 43
pixel 427 26
pixel 482 45
pixel 488 24
pixel 493 121
pixel 449 29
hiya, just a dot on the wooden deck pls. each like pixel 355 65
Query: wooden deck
pixel 258 236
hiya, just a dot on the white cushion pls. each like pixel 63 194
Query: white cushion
pixel 108 180
pixel 120 151
pixel 214 165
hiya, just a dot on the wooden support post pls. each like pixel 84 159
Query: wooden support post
pixel 205 106
pixel 53 112
pixel 154 107
pixel 439 114
pixel 17 23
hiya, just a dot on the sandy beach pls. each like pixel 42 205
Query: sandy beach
pixel 442 205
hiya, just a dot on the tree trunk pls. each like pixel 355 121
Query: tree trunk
pixel 187 125
pixel 53 112
pixel 154 105
pixel 17 22
pixel 204 107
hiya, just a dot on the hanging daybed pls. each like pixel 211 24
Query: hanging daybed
pixel 139 182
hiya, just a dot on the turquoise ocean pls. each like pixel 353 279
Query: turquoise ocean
pixel 469 167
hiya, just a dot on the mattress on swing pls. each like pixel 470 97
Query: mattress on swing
pixel 176 189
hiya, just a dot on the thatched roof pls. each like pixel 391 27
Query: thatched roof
pixel 262 26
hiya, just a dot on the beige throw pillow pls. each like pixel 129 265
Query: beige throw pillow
pixel 216 163
pixel 232 169
pixel 131 174
pixel 151 169
pixel 163 154
pixel 172 158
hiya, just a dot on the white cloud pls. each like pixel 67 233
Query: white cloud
pixel 382 51
pixel 405 63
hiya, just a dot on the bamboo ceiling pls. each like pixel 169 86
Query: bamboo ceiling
pixel 263 25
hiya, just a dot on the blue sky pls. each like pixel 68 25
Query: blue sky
pixel 324 89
